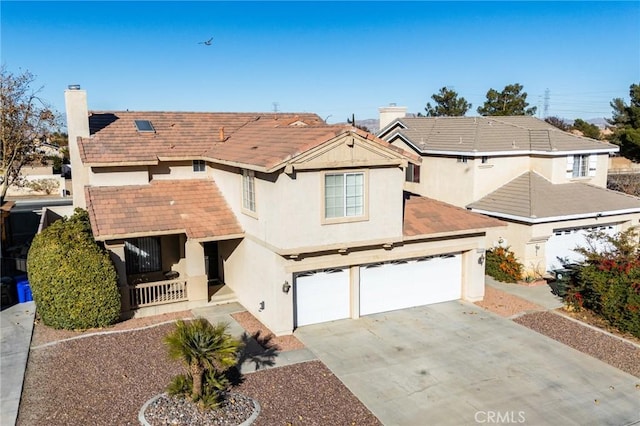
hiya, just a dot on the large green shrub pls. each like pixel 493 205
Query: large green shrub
pixel 502 265
pixel 608 281
pixel 73 281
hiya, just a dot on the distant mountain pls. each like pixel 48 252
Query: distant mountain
pixel 372 124
pixel 600 122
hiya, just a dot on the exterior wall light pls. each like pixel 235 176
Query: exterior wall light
pixel 286 287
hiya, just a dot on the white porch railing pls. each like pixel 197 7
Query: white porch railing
pixel 157 293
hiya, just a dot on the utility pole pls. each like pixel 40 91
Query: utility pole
pixel 546 103
pixel 275 107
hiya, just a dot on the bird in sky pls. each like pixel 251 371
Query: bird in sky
pixel 206 43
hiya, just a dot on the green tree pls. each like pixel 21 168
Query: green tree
pixel 587 129
pixel 511 101
pixel 206 351
pixel 74 283
pixel 558 122
pixel 447 104
pixel 25 121
pixel 625 122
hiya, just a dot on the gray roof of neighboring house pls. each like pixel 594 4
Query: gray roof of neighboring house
pixel 476 136
pixel 531 198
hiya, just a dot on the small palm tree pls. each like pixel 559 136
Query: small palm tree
pixel 206 350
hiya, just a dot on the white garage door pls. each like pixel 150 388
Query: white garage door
pixel 322 296
pixel 563 242
pixel 403 284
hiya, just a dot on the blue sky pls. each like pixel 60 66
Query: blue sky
pixel 331 58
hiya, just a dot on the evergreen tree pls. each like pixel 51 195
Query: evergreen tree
pixel 447 104
pixel 625 123
pixel 511 101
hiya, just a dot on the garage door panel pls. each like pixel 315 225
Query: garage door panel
pixel 563 242
pixel 322 296
pixel 399 285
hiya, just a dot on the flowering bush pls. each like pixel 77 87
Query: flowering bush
pixel 502 265
pixel 608 281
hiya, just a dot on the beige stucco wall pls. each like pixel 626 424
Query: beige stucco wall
pixel 256 274
pixel 555 169
pixel 118 176
pixel 528 241
pixel 497 172
pixel 77 126
pixel 177 170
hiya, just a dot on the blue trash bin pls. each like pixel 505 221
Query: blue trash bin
pixel 24 291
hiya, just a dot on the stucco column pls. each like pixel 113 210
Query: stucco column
pixel 354 275
pixel 196 275
pixel 116 253
pixel 473 262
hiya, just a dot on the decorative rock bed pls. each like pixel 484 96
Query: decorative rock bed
pixel 235 410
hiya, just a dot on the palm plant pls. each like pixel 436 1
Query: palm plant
pixel 207 351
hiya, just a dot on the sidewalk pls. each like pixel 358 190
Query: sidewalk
pixel 16 329
pixel 540 295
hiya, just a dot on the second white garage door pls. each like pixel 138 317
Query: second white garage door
pixel 404 284
pixel 563 242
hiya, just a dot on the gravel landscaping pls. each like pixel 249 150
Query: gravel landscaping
pixel 103 377
pixel 616 352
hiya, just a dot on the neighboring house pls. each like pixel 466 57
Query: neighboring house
pixel 548 185
pixel 303 221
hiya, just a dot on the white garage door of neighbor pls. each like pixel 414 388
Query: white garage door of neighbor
pixel 563 242
pixel 322 296
pixel 404 284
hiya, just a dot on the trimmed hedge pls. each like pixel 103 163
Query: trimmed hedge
pixel 74 283
pixel 608 281
pixel 502 265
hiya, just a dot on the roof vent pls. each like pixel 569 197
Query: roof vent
pixel 221 134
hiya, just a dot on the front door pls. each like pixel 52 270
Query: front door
pixel 212 263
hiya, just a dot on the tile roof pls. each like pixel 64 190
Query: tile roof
pixel 195 207
pixel 425 216
pixel 260 139
pixel 533 198
pixel 481 135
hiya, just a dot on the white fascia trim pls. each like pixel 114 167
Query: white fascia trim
pixel 532 220
pixel 390 126
pixel 407 141
pixel 511 153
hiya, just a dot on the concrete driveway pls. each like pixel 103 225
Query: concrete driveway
pixel 455 364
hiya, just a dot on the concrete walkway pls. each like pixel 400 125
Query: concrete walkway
pixel 455 364
pixel 540 295
pixel 254 357
pixel 16 327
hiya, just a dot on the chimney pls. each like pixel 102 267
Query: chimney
pixel 390 113
pixel 221 134
pixel 77 126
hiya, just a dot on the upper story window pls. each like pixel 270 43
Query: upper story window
pixel 412 173
pixel 463 159
pixel 142 255
pixel 581 165
pixel 198 166
pixel 485 159
pixel 344 195
pixel 248 190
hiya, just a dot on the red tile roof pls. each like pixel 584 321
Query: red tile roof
pixel 424 216
pixel 263 140
pixel 195 207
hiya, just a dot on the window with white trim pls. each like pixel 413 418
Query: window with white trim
pixel 248 190
pixel 198 166
pixel 412 173
pixel 344 195
pixel 463 159
pixel 580 166
pixel 142 255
